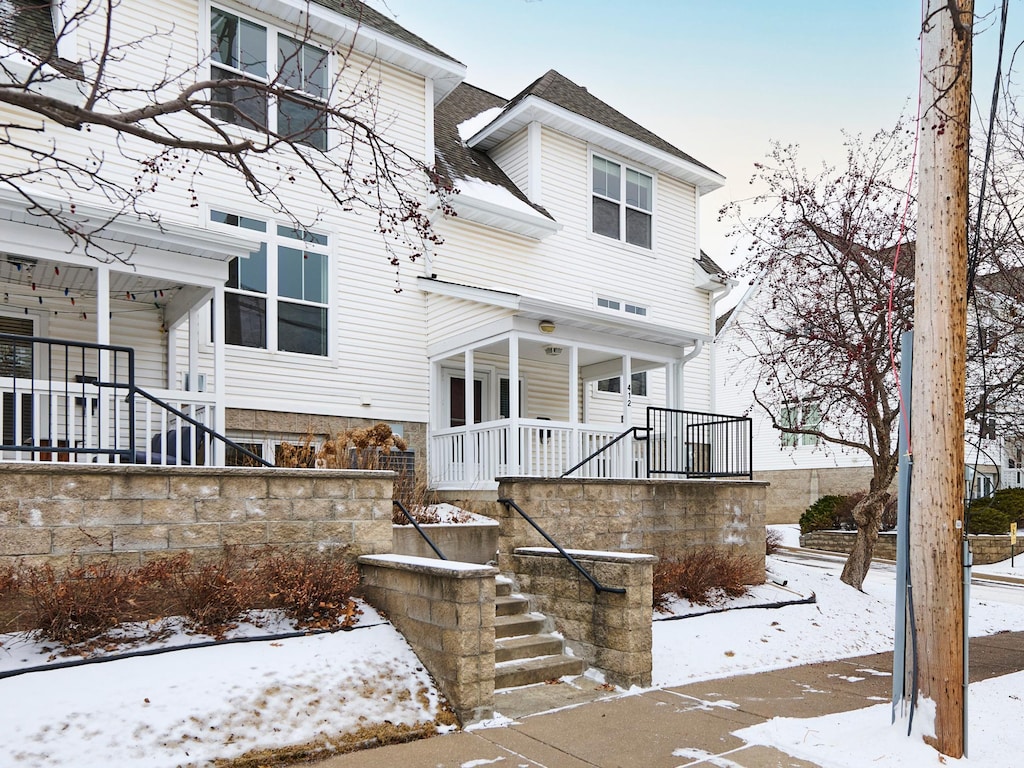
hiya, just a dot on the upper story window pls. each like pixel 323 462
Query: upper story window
pixel 623 202
pixel 240 48
pixel 277 298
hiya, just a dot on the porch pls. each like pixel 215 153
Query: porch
pixel 106 351
pixel 564 391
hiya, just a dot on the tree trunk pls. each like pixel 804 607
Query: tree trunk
pixel 868 517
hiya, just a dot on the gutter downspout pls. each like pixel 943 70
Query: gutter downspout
pixel 698 347
pixel 716 295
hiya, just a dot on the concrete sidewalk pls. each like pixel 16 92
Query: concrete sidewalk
pixel 682 726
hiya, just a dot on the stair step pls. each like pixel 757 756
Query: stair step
pixel 518 624
pixel 512 674
pixel 502 586
pixel 507 606
pixel 528 647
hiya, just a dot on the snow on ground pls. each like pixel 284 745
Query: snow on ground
pixel 192 706
pixel 864 737
pixel 188 707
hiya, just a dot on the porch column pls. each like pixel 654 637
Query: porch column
pixel 514 445
pixel 470 453
pixel 574 405
pixel 193 350
pixel 627 391
pixel 219 384
pixel 108 397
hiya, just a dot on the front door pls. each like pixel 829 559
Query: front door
pixel 457 401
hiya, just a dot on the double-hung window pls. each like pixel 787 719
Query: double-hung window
pixel 277 297
pixel 622 202
pixel 800 415
pixel 241 49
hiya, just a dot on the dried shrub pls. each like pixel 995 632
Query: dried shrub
pixel 355 448
pixel 81 603
pixel 704 576
pixel 8 581
pixel 772 541
pixel 211 596
pixel 315 590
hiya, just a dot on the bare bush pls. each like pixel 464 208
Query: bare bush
pixel 704 576
pixel 772 541
pixel 211 596
pixel 316 590
pixel 80 603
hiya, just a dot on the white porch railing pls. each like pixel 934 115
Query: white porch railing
pixel 473 456
pixel 57 421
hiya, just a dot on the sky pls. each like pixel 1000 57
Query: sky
pixel 193 706
pixel 720 80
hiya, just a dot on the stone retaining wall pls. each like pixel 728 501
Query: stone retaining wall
pixel 658 517
pixel 446 612
pixel 610 631
pixel 75 515
pixel 985 548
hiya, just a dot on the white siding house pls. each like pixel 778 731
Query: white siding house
pixel 569 286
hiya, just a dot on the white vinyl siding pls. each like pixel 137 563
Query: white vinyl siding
pixel 513 157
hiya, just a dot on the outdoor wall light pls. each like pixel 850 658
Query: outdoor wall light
pixel 553 351
pixel 546 326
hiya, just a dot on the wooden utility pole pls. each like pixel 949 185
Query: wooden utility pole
pixel 940 340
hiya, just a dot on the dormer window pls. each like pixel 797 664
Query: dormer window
pixel 623 202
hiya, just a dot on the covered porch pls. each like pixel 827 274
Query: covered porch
pixel 84 325
pixel 553 386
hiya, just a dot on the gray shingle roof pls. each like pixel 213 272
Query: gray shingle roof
pixel 457 161
pixel 28 25
pixel 708 265
pixel 364 14
pixel 559 90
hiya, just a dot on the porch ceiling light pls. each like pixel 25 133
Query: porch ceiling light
pixel 553 351
pixel 546 326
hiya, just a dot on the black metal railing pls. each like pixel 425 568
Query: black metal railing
pixel 586 574
pixel 693 444
pixel 62 398
pixel 689 444
pixel 419 530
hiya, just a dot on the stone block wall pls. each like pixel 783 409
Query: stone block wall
pixel 610 631
pixel 446 612
pixel 659 517
pixel 985 548
pixel 791 491
pixel 77 514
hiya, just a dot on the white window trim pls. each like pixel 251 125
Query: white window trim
pixel 206 58
pixel 622 306
pixel 272 239
pixel 804 441
pixel 625 165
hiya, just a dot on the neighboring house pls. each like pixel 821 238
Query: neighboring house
pixel 569 288
pixel 799 468
pixel 803 468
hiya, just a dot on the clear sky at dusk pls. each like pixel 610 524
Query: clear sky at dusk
pixel 720 79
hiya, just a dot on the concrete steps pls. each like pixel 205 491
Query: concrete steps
pixel 523 654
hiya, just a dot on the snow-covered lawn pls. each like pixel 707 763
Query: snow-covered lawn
pixel 189 707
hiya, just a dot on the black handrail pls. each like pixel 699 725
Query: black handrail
pixel 419 530
pixel 199 425
pixel 597 585
pixel 635 431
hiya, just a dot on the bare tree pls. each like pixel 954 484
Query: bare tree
pixel 823 254
pixel 72 122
